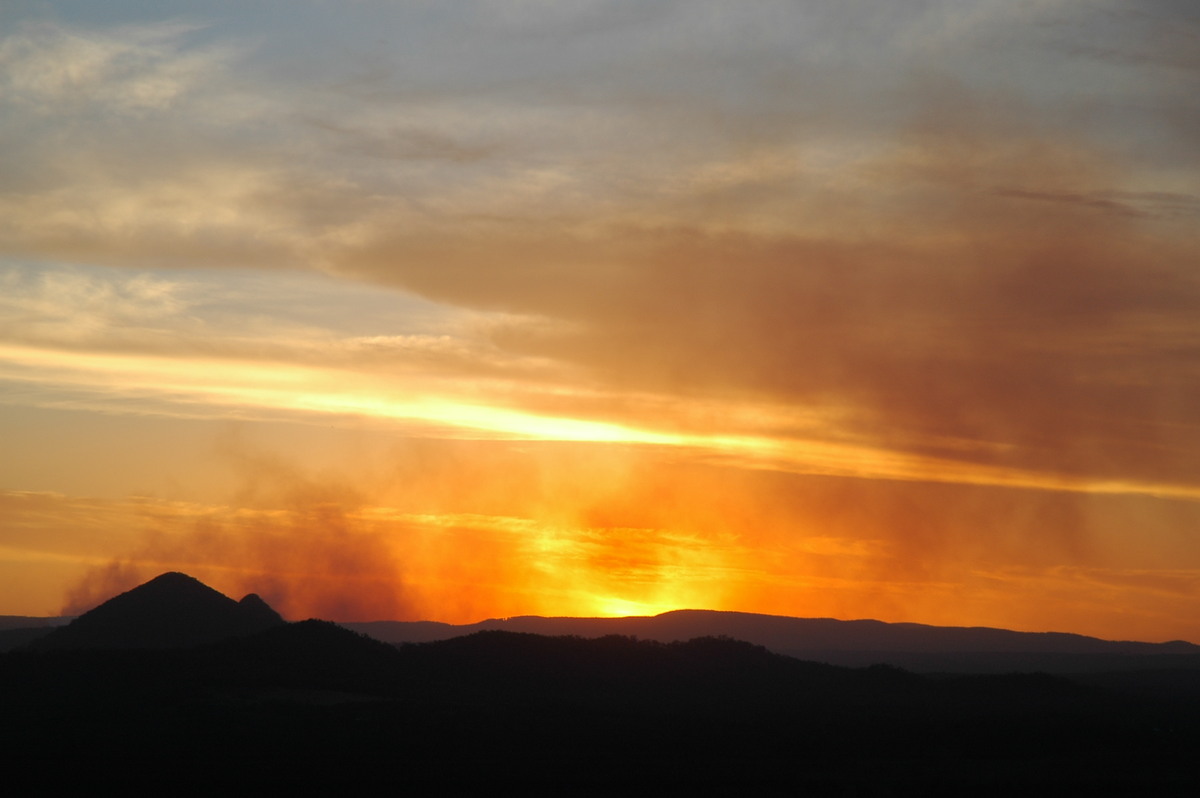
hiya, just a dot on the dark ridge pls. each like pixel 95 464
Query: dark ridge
pixel 306 654
pixel 8 622
pixel 16 638
pixel 617 671
pixel 306 637
pixel 173 610
pixel 312 705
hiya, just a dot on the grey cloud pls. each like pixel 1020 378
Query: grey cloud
pixel 403 143
pixel 1094 201
pixel 1122 203
pixel 126 69
pixel 1067 337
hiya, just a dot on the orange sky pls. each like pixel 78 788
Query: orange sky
pixel 867 309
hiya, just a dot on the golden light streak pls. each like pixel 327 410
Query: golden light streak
pixel 434 404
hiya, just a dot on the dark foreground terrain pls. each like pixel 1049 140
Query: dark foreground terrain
pixel 311 705
pixel 174 688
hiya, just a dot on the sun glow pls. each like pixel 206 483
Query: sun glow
pixel 615 607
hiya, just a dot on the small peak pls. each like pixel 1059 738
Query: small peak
pixel 258 611
pixel 175 577
pixel 177 586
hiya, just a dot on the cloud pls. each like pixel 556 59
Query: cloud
pixel 282 319
pixel 131 69
pixel 403 143
pixel 1121 203
pixel 309 561
pixel 1057 333
pixel 65 306
pixel 304 551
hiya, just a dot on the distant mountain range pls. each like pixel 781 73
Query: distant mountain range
pixel 175 610
pixel 850 643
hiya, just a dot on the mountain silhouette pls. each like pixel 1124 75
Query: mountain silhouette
pixel 173 610
pixel 855 643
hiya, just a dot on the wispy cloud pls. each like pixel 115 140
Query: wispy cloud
pixel 55 69
pixel 1122 203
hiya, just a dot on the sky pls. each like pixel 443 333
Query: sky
pixel 449 311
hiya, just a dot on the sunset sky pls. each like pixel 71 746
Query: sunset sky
pixel 455 310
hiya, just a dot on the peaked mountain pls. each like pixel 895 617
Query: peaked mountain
pixel 173 610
